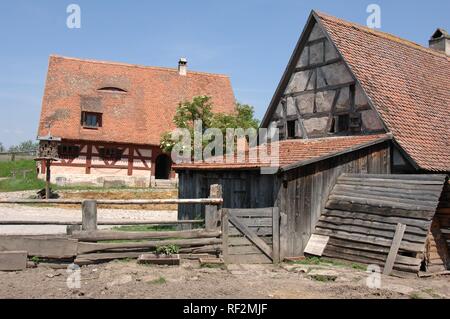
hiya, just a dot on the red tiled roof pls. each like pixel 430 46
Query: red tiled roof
pixel 298 152
pixel 408 84
pixel 138 116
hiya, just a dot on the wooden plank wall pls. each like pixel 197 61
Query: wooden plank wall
pixel 241 189
pixel 438 244
pixel 303 192
pixel 362 213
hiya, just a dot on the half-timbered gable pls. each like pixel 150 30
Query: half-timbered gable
pixel 319 96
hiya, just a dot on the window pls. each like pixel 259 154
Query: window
pixel 343 123
pixel 91 120
pixel 68 151
pixel 112 89
pixel 291 131
pixel 110 153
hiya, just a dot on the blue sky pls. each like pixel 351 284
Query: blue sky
pixel 250 40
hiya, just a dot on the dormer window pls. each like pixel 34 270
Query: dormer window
pixel 91 120
pixel 112 89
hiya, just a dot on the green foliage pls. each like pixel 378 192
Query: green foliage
pixel 24 146
pixel 309 261
pixel 324 278
pixel 167 250
pixel 159 281
pixel 145 228
pixel 2 148
pixel 6 168
pixel 200 108
pixel 35 259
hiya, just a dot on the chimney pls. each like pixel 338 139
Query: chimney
pixel 182 66
pixel 440 41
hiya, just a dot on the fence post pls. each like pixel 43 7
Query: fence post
pixel 89 216
pixel 70 229
pixel 225 229
pixel 212 212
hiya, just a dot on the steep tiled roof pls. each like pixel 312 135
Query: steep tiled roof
pixel 408 84
pixel 140 115
pixel 299 152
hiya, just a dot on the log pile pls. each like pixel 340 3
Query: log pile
pixel 363 211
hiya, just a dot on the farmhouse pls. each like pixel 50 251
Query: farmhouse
pixel 110 117
pixel 364 127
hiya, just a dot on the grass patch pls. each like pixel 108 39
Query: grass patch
pixel 7 168
pixel 159 281
pixel 415 295
pixel 20 182
pixel 145 228
pixel 323 278
pixel 359 267
pixel 308 261
pixel 213 266
pixel 329 262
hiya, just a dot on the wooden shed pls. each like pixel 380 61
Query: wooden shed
pixel 351 101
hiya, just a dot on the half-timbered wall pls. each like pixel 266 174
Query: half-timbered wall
pixel 322 96
pixel 133 168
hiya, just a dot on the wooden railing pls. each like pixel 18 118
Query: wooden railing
pixel 86 244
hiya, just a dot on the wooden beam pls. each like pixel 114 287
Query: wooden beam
pixel 119 235
pixel 396 242
pixel 322 89
pixel 213 201
pixel 84 248
pixel 130 160
pixel 89 215
pixel 317 65
pixel 225 230
pixel 276 235
pixel 13 260
pixel 58 248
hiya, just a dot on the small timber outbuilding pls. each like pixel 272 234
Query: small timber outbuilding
pixel 364 120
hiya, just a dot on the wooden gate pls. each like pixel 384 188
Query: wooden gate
pixel 251 236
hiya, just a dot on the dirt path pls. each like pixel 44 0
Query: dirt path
pixel 21 212
pixel 121 279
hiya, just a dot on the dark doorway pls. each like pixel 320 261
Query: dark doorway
pixel 163 166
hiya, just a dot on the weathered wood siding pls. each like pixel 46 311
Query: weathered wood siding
pixel 241 189
pixel 303 192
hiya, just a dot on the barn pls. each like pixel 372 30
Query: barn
pixel 110 117
pixel 364 146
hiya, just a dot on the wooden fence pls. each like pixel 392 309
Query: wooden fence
pixel 84 243
pixel 15 156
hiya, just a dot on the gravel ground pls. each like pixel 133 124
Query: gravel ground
pixel 127 279
pixel 21 212
pixel 28 212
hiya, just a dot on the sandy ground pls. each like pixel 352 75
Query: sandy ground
pixel 127 279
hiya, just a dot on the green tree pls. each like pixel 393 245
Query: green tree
pixel 200 108
pixel 24 146
pixel 2 148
